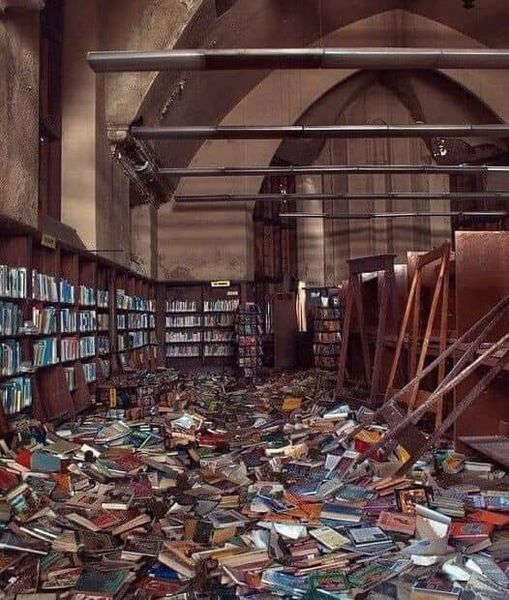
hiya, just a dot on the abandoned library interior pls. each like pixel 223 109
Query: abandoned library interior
pixel 254 300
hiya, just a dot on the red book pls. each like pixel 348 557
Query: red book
pixel 470 532
pixel 492 518
pixel 7 480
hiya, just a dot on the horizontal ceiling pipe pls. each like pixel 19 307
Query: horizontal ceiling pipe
pixel 328 170
pixel 198 198
pixel 299 58
pixel 402 215
pixel 266 132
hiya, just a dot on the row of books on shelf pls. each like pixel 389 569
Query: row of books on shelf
pixel 183 321
pixel 178 306
pixel 44 320
pixel 194 350
pixel 134 339
pixel 74 348
pixel 326 349
pixel 220 305
pixel 10 357
pixel 103 344
pixel 13 282
pixel 11 319
pixel 86 296
pixel 136 321
pixel 211 335
pixel 16 395
pixel 327 337
pixel 187 351
pixel 126 302
pixel 89 371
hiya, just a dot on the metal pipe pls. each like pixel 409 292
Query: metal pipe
pixel 266 132
pixel 401 215
pixel 200 198
pixel 328 170
pixel 299 58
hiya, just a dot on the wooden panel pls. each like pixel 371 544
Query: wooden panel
pixel 481 282
pixel 285 330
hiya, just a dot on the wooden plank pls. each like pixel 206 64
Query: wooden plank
pixel 481 282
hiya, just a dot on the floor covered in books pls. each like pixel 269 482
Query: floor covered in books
pixel 223 490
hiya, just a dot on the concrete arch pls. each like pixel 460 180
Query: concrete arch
pixel 295 92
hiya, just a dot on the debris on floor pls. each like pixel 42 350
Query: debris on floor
pixel 197 487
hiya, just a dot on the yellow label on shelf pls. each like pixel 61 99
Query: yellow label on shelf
pixel 217 284
pixel 48 241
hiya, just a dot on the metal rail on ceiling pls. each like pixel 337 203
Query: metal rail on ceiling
pixel 299 58
pixel 328 170
pixel 233 198
pixel 265 132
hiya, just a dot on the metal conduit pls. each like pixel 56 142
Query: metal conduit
pixel 262 132
pixel 327 170
pixel 402 215
pixel 192 199
pixel 299 58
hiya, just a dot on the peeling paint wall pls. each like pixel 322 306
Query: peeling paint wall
pixel 19 115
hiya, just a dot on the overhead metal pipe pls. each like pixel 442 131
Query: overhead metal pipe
pixel 328 170
pixel 200 198
pixel 266 132
pixel 299 58
pixel 400 215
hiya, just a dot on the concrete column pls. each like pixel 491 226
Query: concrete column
pixel 311 235
pixel 19 115
pixel 143 239
pixel 79 131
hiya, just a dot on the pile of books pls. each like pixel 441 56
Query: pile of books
pixel 190 486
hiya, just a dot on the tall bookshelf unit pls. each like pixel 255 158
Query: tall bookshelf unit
pixel 58 325
pixel 200 323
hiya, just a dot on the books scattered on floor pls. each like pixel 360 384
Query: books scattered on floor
pixel 181 487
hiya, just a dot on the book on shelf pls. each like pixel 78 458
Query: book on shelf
pixel 11 319
pixel 220 305
pixel 87 321
pixel 86 296
pixel 103 344
pixel 182 321
pixel 103 299
pixel 121 342
pixel 70 376
pixel 137 321
pixel 44 319
pixel 183 351
pixel 66 291
pixel 220 320
pixel 16 394
pixel 69 348
pixel 218 335
pixel 218 350
pixel 13 282
pixel 176 306
pixel 103 322
pixel 10 357
pixel 87 346
pixel 179 337
pixel 90 371
pixel 121 321
pixel 68 321
pixel 44 287
pixel 137 339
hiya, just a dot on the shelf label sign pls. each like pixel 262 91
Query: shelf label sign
pixel 48 241
pixel 220 284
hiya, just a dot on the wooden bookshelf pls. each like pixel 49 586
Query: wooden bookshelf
pixel 200 317
pixel 52 397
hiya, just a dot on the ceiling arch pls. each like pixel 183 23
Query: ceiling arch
pixel 207 97
pixel 424 95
